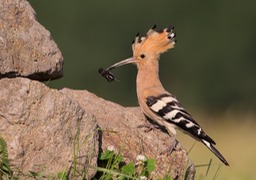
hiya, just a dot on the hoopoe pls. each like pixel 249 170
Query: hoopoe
pixel 158 104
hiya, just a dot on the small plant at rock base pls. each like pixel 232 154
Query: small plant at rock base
pixel 114 167
pixel 43 175
pixel 5 170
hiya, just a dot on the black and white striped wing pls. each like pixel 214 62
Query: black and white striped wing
pixel 167 107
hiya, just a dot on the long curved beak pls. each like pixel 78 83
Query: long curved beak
pixel 121 63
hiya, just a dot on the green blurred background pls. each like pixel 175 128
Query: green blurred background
pixel 211 70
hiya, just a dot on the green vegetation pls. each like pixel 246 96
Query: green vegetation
pixel 41 176
pixel 113 167
pixel 5 170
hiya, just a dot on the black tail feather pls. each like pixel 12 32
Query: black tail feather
pixel 215 151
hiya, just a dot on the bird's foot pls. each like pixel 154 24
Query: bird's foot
pixel 148 127
pixel 169 150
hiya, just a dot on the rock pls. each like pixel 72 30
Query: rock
pixel 45 130
pixel 119 126
pixel 26 47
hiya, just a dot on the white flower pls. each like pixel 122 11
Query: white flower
pixel 141 158
pixel 111 148
pixel 143 178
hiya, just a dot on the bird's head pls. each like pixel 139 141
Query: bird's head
pixel 147 49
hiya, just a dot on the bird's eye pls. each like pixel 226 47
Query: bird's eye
pixel 142 56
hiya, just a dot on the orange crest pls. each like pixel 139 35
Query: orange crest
pixel 155 41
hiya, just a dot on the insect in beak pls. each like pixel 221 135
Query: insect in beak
pixel 110 76
pixel 107 74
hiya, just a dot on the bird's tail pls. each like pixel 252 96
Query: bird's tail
pixel 215 151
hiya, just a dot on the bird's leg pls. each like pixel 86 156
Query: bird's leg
pixel 170 149
pixel 149 126
pixel 172 132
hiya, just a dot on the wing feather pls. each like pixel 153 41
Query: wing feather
pixel 169 108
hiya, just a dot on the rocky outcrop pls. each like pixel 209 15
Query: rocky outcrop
pixel 26 47
pixel 45 130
